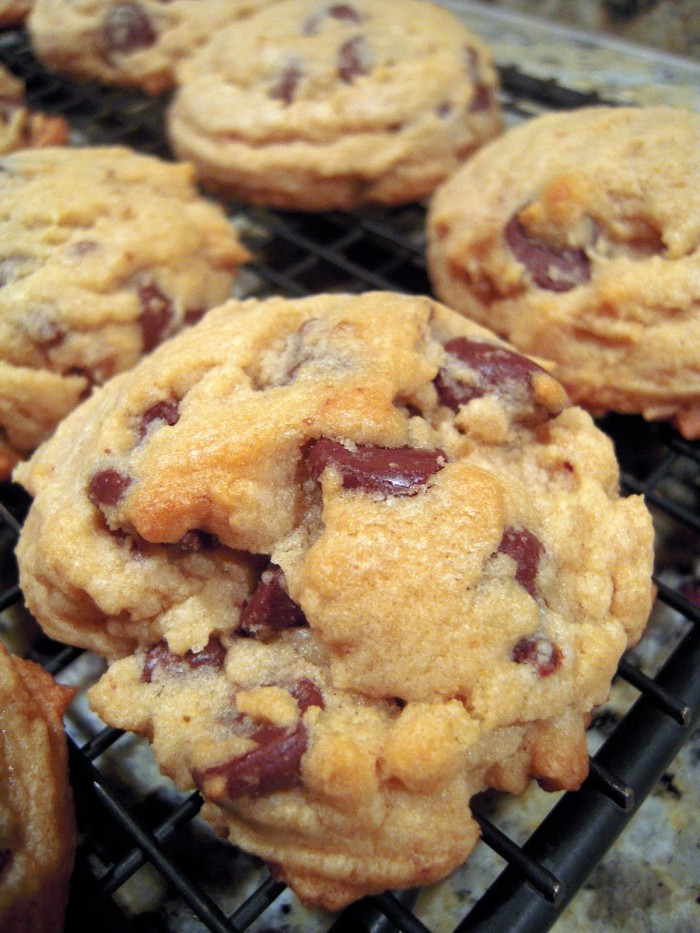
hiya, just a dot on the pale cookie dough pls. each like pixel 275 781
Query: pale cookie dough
pixel 312 106
pixel 37 822
pixel 372 563
pixel 20 126
pixel 103 253
pixel 136 43
pixel 577 236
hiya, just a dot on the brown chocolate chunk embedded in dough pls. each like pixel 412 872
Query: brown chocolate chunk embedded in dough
pixel 354 59
pixel 212 655
pixel 270 609
pixel 127 28
pixel 272 766
pixel 526 549
pixel 286 87
pixel 557 269
pixel 167 411
pixel 107 487
pixel 340 11
pixel 157 312
pixel 307 694
pixel 539 652
pixel 393 471
pixel 494 367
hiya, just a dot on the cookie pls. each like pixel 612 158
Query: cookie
pixel 360 561
pixel 103 253
pixel 577 236
pixel 20 126
pixel 314 106
pixel 136 43
pixel 37 822
pixel 14 12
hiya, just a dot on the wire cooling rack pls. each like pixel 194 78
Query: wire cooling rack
pixel 149 832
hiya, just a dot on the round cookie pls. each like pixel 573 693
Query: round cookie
pixel 21 127
pixel 314 106
pixel 37 823
pixel 577 236
pixel 103 253
pixel 134 43
pixel 374 555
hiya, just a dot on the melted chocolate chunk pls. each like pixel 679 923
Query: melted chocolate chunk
pixel 340 11
pixel 286 88
pixel 557 269
pixel 525 549
pixel 126 28
pixel 193 316
pixel 307 694
pixel 494 366
pixel 353 59
pixel 157 312
pixel 167 412
pixel 272 766
pixel 481 99
pixel 270 608
pixel 539 652
pixel 393 471
pixel 212 655
pixel 107 487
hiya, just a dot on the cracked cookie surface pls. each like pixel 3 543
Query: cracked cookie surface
pixel 577 236
pixel 354 560
pixel 103 253
pixel 313 106
pixel 135 43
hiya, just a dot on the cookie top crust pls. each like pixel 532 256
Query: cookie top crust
pixel 133 43
pixel 103 253
pixel 37 823
pixel 578 235
pixel 358 96
pixel 370 549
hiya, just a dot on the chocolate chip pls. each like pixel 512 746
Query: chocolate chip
pixel 557 269
pixel 339 11
pixel 270 608
pixel 393 471
pixel 286 87
pixel 494 367
pixel 526 549
pixel 353 59
pixel 193 316
pixel 481 99
pixel 272 766
pixel 157 312
pixel 197 540
pixel 167 412
pixel 213 655
pixel 307 694
pixel 539 652
pixel 107 487
pixel 126 28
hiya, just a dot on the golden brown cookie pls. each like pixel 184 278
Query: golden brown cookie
pixel 135 43
pixel 577 236
pixel 370 561
pixel 37 823
pixel 312 105
pixel 103 253
pixel 20 126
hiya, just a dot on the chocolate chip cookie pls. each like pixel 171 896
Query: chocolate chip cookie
pixel 37 823
pixel 134 43
pixel 311 106
pixel 577 236
pixel 360 561
pixel 103 253
pixel 20 126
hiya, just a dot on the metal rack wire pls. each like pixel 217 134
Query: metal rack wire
pixel 294 255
